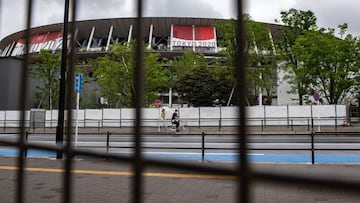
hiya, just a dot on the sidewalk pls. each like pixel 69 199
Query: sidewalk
pixel 105 181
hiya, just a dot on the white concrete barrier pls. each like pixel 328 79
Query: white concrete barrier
pixel 202 116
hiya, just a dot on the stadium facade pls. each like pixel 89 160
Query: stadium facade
pixel 168 36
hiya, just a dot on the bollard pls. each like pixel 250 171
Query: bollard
pixel 203 146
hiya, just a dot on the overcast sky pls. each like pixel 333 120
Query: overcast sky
pixel 330 13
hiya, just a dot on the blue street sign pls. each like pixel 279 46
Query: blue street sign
pixel 78 82
pixel 316 96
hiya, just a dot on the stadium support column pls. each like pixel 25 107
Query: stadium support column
pixel 216 47
pixel 193 37
pixel 170 97
pixel 272 43
pixel 6 50
pixel 171 37
pixel 109 38
pixel 90 39
pixel 130 34
pixel 150 35
pixel 259 66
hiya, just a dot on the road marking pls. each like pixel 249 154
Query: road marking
pixel 119 173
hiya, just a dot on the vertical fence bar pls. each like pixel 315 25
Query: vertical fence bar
pixel 20 187
pixel 220 125
pixel 99 126
pixel 312 148
pixel 26 140
pixel 287 114
pixel 336 117
pixel 107 143
pixel 264 116
pixel 312 124
pixel 120 114
pixel 61 109
pixel 220 120
pixel 202 146
pixel 199 117
pixel 71 11
pixel 84 118
pixel 5 121
pixel 243 170
pixel 138 101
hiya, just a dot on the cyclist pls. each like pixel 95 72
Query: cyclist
pixel 175 120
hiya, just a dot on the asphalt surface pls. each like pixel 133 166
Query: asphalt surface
pixel 95 180
pixel 105 181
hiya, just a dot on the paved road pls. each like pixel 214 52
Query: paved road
pixel 97 181
pixel 264 148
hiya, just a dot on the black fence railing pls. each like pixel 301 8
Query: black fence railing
pixel 110 140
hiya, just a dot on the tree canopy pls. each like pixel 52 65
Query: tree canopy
pixel 262 64
pixel 114 74
pixel 46 71
pixel 330 63
pixel 315 60
pixel 199 84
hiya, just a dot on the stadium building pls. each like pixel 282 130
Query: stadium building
pixel 168 36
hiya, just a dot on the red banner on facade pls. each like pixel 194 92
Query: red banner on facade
pixel 192 36
pixel 204 33
pixel 48 41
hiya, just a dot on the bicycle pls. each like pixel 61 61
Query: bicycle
pixel 171 129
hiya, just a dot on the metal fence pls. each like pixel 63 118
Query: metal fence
pixel 312 141
pixel 244 173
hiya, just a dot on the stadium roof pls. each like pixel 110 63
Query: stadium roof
pixel 161 27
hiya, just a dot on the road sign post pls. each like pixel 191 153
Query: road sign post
pixel 158 103
pixel 78 89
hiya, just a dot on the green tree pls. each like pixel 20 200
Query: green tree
pixel 262 63
pixel 296 23
pixel 189 61
pixel 261 56
pixel 330 63
pixel 200 83
pixel 114 74
pixel 46 71
pixel 197 87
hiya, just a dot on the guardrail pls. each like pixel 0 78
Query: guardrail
pixel 203 148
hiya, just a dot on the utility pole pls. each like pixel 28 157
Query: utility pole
pixel 60 125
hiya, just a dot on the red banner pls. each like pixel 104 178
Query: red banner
pixel 48 41
pixel 192 36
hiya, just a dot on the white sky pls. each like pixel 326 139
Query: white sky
pixel 330 13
